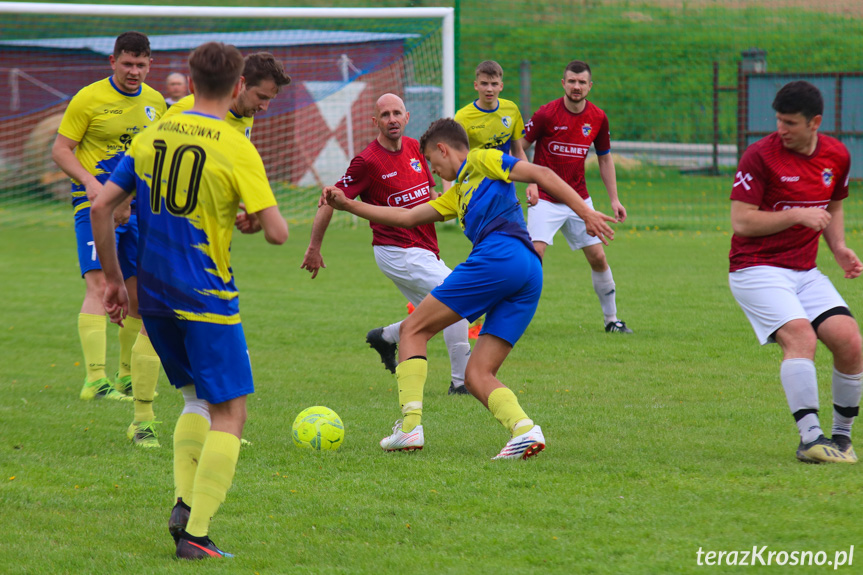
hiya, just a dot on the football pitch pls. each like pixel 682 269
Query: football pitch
pixel 660 444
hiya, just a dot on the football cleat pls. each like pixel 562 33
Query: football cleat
pixel 143 434
pixel 404 441
pixel 617 327
pixel 179 519
pixel 101 388
pixel 843 442
pixel 822 450
pixel 189 547
pixel 524 446
pixel 123 384
pixel 387 350
pixel 460 390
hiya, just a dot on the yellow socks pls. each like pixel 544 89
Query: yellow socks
pixel 91 329
pixel 411 375
pixel 213 479
pixel 128 334
pixel 189 436
pixel 145 375
pixel 503 404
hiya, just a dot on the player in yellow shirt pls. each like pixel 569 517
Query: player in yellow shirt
pixel 502 277
pixel 491 121
pixel 263 79
pixel 190 173
pixel 96 130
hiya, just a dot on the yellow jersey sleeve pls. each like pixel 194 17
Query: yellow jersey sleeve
pixel 76 119
pixel 447 203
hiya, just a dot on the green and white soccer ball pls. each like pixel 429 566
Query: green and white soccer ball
pixel 319 428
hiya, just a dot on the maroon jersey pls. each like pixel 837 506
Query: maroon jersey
pixel 775 178
pixel 563 139
pixel 401 179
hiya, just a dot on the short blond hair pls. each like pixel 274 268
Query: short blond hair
pixel 489 68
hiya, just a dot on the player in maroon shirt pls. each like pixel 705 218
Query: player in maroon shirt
pixel 563 131
pixel 788 191
pixel 392 171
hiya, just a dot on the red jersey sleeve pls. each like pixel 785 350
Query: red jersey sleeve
pixel 602 143
pixel 751 179
pixel 534 128
pixel 841 191
pixel 356 179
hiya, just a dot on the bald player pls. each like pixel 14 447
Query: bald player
pixel 391 171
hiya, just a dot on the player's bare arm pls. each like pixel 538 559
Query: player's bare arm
pixel 518 150
pixel 594 221
pixel 834 235
pixel 609 179
pixel 390 216
pixel 313 261
pixel 749 221
pixel 63 154
pixel 116 299
pixel 274 225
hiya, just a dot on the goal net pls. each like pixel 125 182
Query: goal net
pixel 340 62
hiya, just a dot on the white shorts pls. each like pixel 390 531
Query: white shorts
pixel 771 297
pixel 545 218
pixel 415 271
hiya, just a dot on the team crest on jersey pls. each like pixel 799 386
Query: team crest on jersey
pixel 585 129
pixel 507 121
pixel 151 113
pixel 827 177
pixel 415 164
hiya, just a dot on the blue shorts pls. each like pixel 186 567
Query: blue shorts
pixel 501 278
pixel 211 356
pixel 127 245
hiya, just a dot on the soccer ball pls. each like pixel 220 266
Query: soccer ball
pixel 319 428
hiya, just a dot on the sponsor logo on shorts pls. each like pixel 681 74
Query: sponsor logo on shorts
pixel 569 150
pixel 410 197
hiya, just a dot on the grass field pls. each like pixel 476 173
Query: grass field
pixel 673 439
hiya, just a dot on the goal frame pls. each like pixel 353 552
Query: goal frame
pixel 446 15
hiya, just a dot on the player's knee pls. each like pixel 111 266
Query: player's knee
pixel 95 281
pixel 597 261
pixel 797 339
pixel 848 351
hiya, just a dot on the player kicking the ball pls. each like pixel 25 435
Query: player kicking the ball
pixel 390 171
pixel 787 193
pixel 501 278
